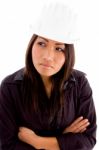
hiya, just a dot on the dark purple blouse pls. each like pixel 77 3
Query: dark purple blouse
pixel 78 101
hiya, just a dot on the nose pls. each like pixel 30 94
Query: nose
pixel 49 53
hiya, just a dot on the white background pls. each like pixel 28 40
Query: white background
pixel 16 19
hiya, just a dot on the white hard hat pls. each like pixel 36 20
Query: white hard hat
pixel 57 22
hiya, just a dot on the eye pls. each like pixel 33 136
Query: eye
pixel 60 49
pixel 42 44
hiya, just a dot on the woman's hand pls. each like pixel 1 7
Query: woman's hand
pixel 28 136
pixel 78 126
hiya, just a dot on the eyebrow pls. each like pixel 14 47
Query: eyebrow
pixel 48 41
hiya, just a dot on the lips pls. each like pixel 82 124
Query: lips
pixel 46 65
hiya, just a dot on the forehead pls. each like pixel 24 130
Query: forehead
pixel 50 40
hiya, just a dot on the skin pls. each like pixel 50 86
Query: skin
pixel 50 143
pixel 48 58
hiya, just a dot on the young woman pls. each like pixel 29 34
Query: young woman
pixel 47 104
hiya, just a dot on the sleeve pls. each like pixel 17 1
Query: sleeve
pixel 85 108
pixel 8 125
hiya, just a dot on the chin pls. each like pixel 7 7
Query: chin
pixel 46 74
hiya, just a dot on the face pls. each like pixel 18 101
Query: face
pixel 48 56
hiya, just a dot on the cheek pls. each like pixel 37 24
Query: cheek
pixel 61 60
pixel 35 54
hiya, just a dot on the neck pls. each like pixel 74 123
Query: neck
pixel 46 81
pixel 47 84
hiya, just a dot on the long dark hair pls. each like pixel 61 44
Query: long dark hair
pixel 34 87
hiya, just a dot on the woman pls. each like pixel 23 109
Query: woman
pixel 47 104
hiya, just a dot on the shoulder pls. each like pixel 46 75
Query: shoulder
pixel 76 79
pixel 13 78
pixel 81 80
pixel 79 76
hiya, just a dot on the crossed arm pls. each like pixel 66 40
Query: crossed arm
pixel 50 143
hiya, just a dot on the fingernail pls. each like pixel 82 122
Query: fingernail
pixel 88 123
pixel 81 117
pixel 86 120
